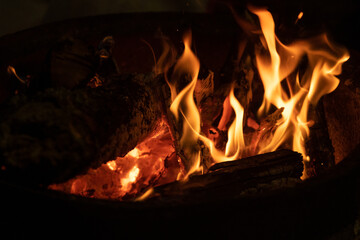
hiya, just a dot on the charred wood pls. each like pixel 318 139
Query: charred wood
pixel 319 145
pixel 279 169
pixel 58 133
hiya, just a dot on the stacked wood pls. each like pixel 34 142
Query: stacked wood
pixel 257 174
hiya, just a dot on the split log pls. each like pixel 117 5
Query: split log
pixel 282 168
pixel 59 133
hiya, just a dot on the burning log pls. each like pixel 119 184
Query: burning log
pixel 282 168
pixel 58 133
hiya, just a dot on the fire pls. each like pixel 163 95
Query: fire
pixel 325 60
pixel 187 66
pixel 285 88
pixel 281 121
pixel 126 176
pixel 236 142
pixel 111 165
pixel 130 178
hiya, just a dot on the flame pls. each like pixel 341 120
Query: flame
pixel 288 88
pixel 277 64
pixel 187 66
pixel 11 70
pixel 236 141
pixel 325 60
pixel 184 104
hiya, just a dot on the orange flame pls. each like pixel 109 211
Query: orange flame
pixel 235 144
pixel 188 65
pixel 11 70
pixel 276 64
pixel 184 103
pixel 325 60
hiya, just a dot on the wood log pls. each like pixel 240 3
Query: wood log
pixel 58 133
pixel 319 145
pixel 260 173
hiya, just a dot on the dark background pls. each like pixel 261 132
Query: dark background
pixel 17 15
pixel 340 17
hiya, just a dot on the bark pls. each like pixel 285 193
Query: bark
pixel 58 133
pixel 256 174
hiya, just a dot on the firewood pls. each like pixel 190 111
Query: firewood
pixel 282 168
pixel 319 145
pixel 59 133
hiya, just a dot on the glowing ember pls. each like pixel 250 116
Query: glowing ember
pixel 131 178
pixel 125 176
pixel 111 165
pixel 301 14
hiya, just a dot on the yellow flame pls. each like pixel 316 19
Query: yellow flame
pixel 183 103
pixel 276 64
pixel 325 60
pixel 269 73
pixel 235 143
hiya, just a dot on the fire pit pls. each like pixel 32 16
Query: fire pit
pixel 321 206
